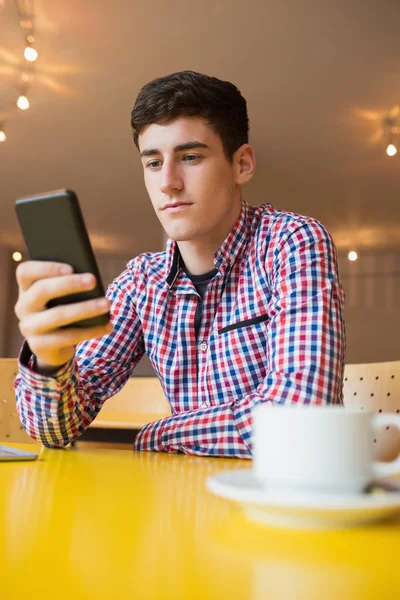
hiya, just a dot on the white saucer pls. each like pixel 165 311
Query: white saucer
pixel 303 510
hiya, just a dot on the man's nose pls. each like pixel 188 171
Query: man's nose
pixel 170 178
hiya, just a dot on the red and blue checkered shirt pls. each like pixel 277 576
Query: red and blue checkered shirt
pixel 271 330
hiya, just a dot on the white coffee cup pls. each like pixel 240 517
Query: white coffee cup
pixel 318 448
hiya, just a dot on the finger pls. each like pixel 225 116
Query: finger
pixel 44 290
pixel 32 270
pixel 54 318
pixel 67 338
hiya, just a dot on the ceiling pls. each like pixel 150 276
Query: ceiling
pixel 318 77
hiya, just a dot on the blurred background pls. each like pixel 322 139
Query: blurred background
pixel 322 83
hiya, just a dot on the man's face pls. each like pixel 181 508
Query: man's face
pixel 190 182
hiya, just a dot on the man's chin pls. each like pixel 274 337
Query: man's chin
pixel 181 236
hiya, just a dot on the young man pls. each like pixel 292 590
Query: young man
pixel 243 307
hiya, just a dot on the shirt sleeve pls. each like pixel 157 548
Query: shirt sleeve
pixel 305 352
pixel 57 409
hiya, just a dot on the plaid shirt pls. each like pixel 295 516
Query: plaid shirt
pixel 271 331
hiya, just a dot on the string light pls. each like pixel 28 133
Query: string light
pixel 392 125
pixel 3 136
pixel 30 54
pixel 352 256
pixel 23 102
pixel 26 23
pixel 17 256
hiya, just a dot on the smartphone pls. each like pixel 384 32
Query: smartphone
pixel 53 229
pixel 12 454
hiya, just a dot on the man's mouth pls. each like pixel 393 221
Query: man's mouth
pixel 175 207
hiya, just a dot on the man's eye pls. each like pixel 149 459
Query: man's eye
pixel 153 164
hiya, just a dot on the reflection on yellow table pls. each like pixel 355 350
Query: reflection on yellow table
pixel 112 524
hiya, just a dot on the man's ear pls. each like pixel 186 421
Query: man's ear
pixel 245 164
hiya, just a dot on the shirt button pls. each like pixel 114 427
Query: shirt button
pixel 204 405
pixel 203 346
pixel 231 258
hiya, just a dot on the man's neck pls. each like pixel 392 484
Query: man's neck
pixel 198 255
pixel 198 259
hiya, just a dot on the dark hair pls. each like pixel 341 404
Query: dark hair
pixel 187 93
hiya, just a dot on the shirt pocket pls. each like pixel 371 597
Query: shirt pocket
pixel 245 323
pixel 242 355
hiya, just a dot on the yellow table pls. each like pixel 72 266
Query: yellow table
pixel 111 524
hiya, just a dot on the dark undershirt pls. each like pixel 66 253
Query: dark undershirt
pixel 200 282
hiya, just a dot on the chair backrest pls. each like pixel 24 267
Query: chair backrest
pixel 376 387
pixel 139 395
pixel 11 429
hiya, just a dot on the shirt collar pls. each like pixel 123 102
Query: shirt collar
pixel 230 250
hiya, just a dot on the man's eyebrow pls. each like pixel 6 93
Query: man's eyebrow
pixel 179 148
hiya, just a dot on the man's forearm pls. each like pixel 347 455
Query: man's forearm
pixel 223 430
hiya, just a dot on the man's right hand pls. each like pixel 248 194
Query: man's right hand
pixel 42 281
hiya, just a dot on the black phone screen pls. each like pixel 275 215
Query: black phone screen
pixel 54 229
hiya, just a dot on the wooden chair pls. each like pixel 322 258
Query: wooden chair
pixel 11 429
pixel 376 387
pixel 140 401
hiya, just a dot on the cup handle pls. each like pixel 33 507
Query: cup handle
pixel 380 468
